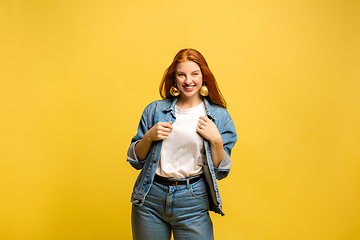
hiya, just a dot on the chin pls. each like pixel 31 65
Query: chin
pixel 190 95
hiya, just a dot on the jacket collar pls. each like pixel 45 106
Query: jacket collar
pixel 208 108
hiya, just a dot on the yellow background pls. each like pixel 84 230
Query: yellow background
pixel 76 75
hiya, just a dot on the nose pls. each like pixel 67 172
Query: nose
pixel 188 80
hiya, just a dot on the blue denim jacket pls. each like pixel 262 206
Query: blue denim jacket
pixel 164 111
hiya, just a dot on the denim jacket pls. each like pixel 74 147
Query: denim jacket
pixel 164 111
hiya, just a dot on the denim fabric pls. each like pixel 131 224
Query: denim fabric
pixel 182 210
pixel 164 111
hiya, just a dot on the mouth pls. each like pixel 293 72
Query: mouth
pixel 189 88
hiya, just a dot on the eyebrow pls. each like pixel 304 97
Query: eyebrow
pixel 198 70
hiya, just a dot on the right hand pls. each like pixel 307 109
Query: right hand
pixel 159 131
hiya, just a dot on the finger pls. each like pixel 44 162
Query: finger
pixel 200 131
pixel 167 125
pixel 166 130
pixel 201 127
pixel 204 118
pixel 162 135
pixel 202 122
pixel 163 130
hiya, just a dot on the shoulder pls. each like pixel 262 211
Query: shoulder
pixel 159 104
pixel 218 108
pixel 221 117
pixel 218 111
pixel 223 122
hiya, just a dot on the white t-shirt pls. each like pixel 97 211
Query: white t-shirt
pixel 183 150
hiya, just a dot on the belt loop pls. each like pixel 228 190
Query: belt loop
pixel 187 183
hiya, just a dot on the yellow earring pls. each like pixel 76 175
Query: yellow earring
pixel 174 91
pixel 204 91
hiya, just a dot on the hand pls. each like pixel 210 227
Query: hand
pixel 159 131
pixel 208 130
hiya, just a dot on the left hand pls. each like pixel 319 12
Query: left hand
pixel 208 130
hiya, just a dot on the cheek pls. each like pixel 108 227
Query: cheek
pixel 177 81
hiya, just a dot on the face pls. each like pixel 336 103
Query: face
pixel 189 79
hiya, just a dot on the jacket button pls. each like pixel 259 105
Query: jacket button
pixel 148 181
pixel 154 161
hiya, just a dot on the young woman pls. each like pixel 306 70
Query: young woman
pixel 182 146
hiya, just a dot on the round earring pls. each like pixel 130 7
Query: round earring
pixel 204 91
pixel 174 91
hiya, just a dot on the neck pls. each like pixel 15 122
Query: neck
pixel 185 103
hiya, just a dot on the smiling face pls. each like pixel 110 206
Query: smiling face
pixel 189 79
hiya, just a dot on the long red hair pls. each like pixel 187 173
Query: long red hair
pixel 193 55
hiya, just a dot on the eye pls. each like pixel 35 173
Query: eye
pixel 181 74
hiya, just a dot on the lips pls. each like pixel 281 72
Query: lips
pixel 189 88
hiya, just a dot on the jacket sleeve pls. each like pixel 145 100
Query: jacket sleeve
pixel 229 137
pixel 142 129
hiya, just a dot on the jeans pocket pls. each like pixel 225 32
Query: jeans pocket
pixel 198 189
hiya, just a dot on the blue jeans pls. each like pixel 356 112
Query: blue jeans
pixel 182 210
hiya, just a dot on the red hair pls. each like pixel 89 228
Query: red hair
pixel 193 55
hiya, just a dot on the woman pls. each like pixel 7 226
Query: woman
pixel 182 146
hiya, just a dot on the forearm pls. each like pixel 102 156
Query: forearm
pixel 159 131
pixel 217 152
pixel 142 148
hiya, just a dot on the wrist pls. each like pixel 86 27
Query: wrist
pixel 147 137
pixel 217 142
